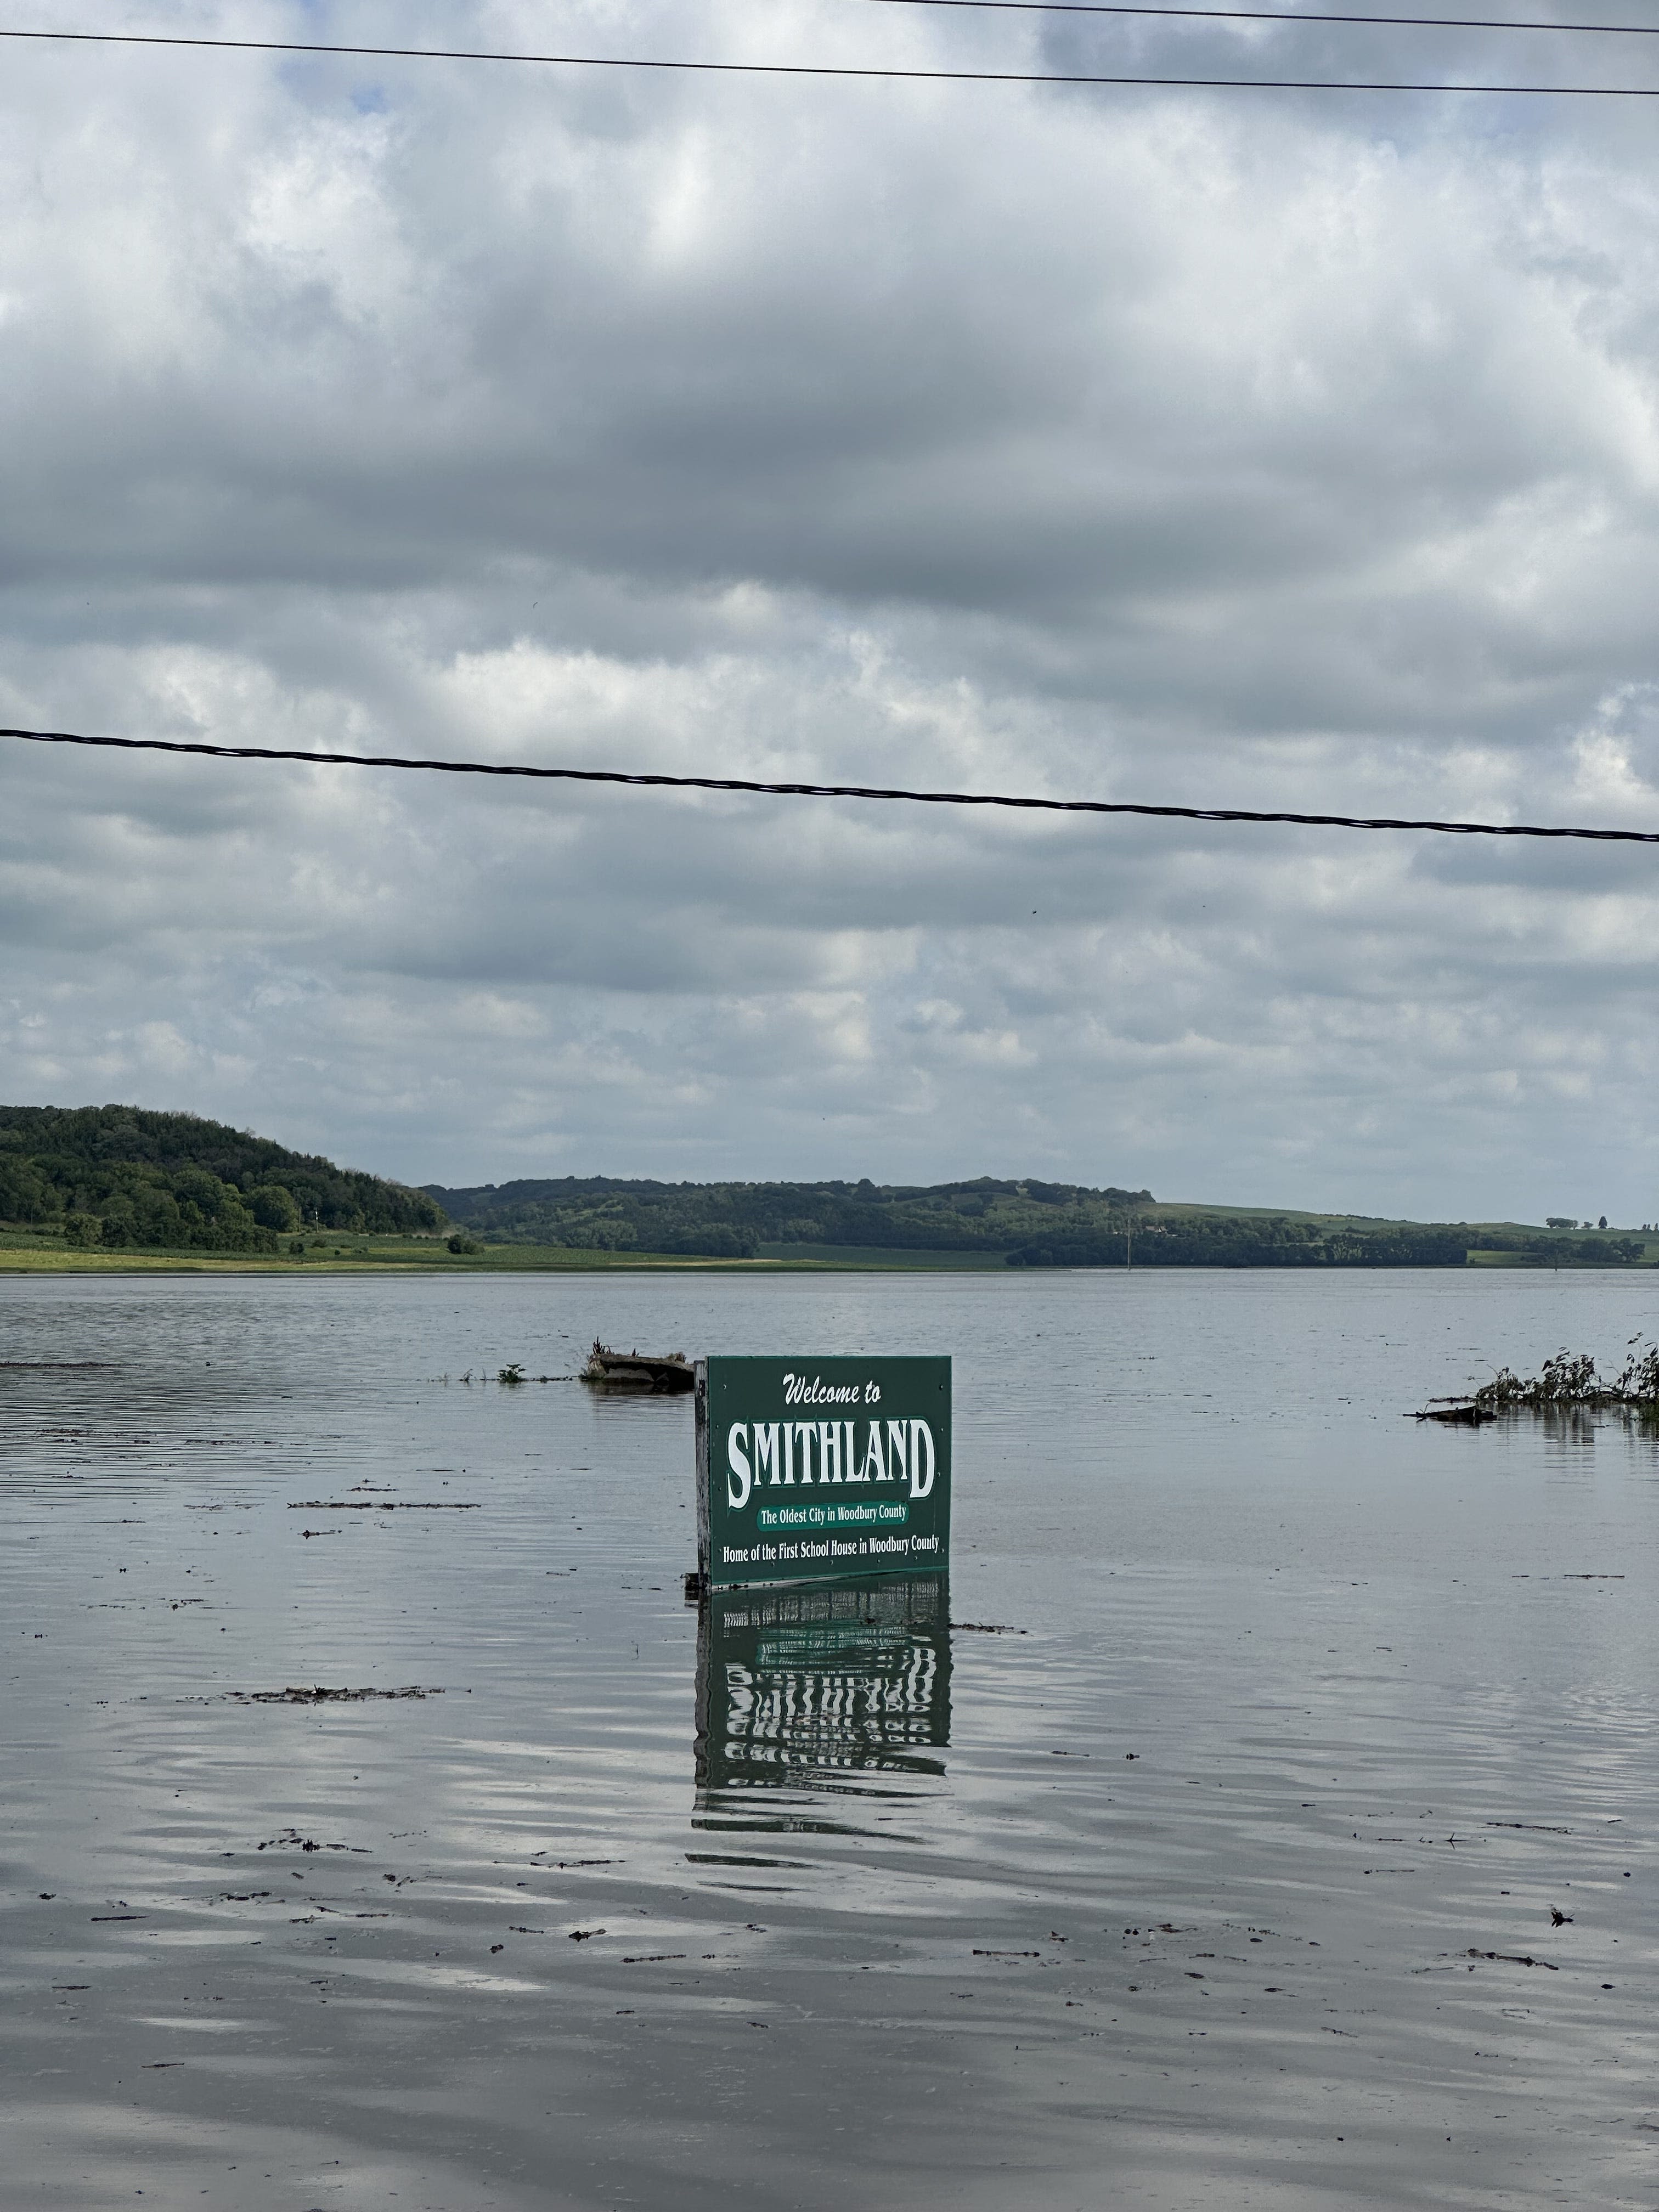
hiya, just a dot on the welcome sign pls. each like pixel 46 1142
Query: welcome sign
pixel 811 1467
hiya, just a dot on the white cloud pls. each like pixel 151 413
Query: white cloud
pixel 1193 448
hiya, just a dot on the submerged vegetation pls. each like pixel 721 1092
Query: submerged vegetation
pixel 1567 1383
pixel 1570 1379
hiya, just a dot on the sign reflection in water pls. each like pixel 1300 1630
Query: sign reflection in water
pixel 795 1684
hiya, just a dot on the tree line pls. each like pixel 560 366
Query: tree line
pixel 1024 1224
pixel 112 1176
pixel 736 1220
pixel 1197 1240
pixel 117 1175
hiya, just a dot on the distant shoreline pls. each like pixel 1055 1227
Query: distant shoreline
pixel 393 1256
pixel 127 1190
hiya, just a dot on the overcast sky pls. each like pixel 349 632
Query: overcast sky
pixel 1256 449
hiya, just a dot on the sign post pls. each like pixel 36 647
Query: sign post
pixel 810 1468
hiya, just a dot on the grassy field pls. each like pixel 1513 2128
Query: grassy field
pixel 25 1251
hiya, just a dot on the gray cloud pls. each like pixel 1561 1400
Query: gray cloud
pixel 1267 451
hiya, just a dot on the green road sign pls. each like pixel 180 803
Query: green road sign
pixel 808 1468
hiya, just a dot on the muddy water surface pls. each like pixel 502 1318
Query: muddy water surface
pixel 1215 1862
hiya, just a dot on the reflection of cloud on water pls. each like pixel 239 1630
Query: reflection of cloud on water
pixel 804 1688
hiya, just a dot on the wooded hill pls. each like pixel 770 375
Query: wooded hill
pixel 115 1175
pixel 742 1220
pixel 1026 1224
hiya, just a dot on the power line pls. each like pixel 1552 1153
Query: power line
pixel 826 69
pixel 747 784
pixel 1288 15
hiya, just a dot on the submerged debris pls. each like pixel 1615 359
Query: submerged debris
pixel 638 1370
pixel 1568 1379
pixel 317 1695
pixel 292 1840
pixel 377 1505
pixel 53 1366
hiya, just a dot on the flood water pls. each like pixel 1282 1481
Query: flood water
pixel 1182 1887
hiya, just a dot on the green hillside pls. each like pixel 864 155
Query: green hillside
pixel 80 1186
pixel 987 1222
pixel 746 1220
pixel 117 1177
